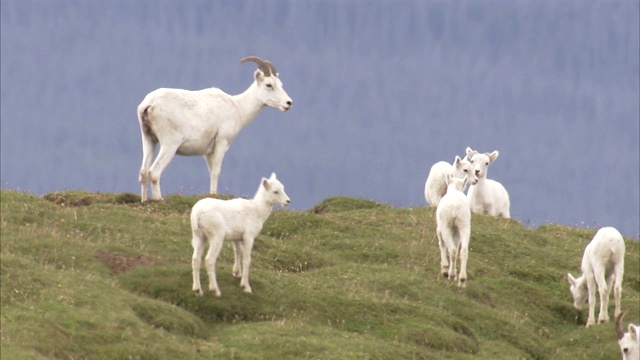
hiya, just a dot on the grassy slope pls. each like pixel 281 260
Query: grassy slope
pixel 348 279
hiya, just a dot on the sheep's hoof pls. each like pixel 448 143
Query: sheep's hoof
pixel 198 292
pixel 462 283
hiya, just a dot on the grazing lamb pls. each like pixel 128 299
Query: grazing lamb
pixel 486 196
pixel 203 122
pixel 435 187
pixel 602 266
pixel 237 220
pixel 453 218
pixel 629 342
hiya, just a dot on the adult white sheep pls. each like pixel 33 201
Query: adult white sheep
pixel 453 220
pixel 237 220
pixel 602 266
pixel 629 342
pixel 203 122
pixel 435 187
pixel 486 196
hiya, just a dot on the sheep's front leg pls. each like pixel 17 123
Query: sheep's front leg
pixel 591 286
pixel 247 245
pixel 214 162
pixel 453 257
pixel 604 291
pixel 237 252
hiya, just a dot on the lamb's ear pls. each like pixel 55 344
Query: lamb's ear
pixel 571 279
pixel 457 161
pixel 273 176
pixel 265 183
pixel 470 153
pixel 634 331
pixel 494 155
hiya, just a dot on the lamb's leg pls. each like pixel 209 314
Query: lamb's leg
pixel 166 153
pixel 464 256
pixel 444 260
pixel 196 261
pixel 453 259
pixel 604 291
pixel 215 245
pixel 237 252
pixel 591 286
pixel 247 245
pixel 618 272
pixel 148 150
pixel 214 162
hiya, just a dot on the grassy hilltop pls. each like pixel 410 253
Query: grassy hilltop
pixel 100 276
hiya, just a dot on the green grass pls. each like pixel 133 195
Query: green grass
pixel 348 279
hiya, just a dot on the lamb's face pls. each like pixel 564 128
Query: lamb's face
pixel 275 191
pixel 272 94
pixel 630 343
pixel 578 289
pixel 480 163
pixel 462 168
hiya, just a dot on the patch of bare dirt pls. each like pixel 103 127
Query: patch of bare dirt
pixel 119 263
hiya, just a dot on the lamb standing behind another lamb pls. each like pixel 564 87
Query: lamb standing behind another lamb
pixel 237 220
pixel 436 186
pixel 486 196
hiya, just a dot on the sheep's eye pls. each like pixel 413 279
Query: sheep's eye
pixel 486 163
pixel 276 192
pixel 465 170
pixel 625 350
pixel 269 86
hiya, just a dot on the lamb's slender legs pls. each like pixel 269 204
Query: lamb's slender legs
pixel 196 260
pixel 604 291
pixel 444 259
pixel 214 162
pixel 247 245
pixel 237 252
pixel 215 245
pixel 591 285
pixel 617 287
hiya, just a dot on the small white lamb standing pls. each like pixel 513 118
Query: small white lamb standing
pixel 602 266
pixel 629 342
pixel 435 187
pixel 237 220
pixel 453 218
pixel 486 196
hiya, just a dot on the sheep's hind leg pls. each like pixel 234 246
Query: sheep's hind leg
pixel 444 260
pixel 166 153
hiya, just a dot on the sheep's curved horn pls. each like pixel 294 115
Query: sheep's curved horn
pixel 265 66
pixel 619 325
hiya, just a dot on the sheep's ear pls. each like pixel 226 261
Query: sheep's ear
pixel 265 183
pixel 571 279
pixel 273 176
pixel 258 75
pixel 634 331
pixel 494 155
pixel 457 161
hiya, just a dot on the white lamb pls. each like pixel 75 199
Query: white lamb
pixel 237 220
pixel 203 122
pixel 453 217
pixel 435 187
pixel 602 266
pixel 486 196
pixel 629 342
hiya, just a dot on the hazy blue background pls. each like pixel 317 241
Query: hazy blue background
pixel 381 91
